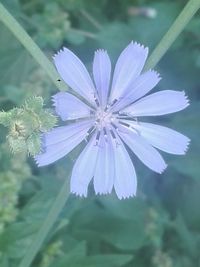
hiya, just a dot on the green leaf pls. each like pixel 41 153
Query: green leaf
pixel 112 225
pixel 187 124
pixel 15 63
pixel 188 240
pixel 4 261
pixel 78 258
pixel 16 238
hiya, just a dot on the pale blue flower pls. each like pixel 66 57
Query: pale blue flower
pixel 112 121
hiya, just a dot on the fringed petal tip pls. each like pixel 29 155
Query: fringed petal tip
pixel 101 51
pixel 83 194
pixel 187 145
pixel 101 192
pixel 139 46
pixel 162 168
pixel 37 161
pixel 59 53
pixel 187 100
pixel 156 74
pixel 128 196
pixel 79 193
pixel 54 100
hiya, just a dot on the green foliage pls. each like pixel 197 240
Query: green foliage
pixel 54 18
pixel 12 175
pixel 159 228
pixel 26 124
pixel 52 251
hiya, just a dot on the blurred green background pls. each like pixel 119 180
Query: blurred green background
pixel 158 228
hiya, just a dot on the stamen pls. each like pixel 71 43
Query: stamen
pixel 114 101
pixel 96 101
pixel 130 127
pixel 92 112
pixel 91 130
pixel 115 126
pixel 97 138
pixel 112 134
pixel 125 124
pixel 105 134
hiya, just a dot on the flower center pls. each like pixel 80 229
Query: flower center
pixel 103 118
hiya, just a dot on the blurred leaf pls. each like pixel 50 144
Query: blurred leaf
pixel 111 226
pixel 78 258
pixel 187 238
pixel 188 125
pixel 189 205
pixel 16 63
pixel 4 261
pixel 38 207
pixel 16 238
pixel 149 31
pixel 74 37
pixel 115 36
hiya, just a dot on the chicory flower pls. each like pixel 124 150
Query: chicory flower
pixel 111 121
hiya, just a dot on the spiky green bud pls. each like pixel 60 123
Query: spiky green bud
pixel 26 124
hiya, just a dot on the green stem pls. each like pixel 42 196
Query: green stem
pixel 46 226
pixel 31 47
pixel 91 19
pixel 177 27
pixel 83 33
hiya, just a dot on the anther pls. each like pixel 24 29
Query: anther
pixel 97 138
pixel 125 124
pixel 96 101
pixel 114 101
pixel 112 134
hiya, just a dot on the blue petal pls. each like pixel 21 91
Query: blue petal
pixel 101 73
pixel 104 172
pixel 61 140
pixel 84 168
pixel 160 103
pixel 140 87
pixel 128 67
pixel 69 107
pixel 125 182
pixel 162 138
pixel 74 73
pixel 144 151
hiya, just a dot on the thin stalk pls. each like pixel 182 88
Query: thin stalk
pixel 177 27
pixel 91 19
pixel 83 33
pixel 31 47
pixel 46 226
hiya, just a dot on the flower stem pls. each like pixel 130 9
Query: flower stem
pixel 31 47
pixel 46 226
pixel 177 27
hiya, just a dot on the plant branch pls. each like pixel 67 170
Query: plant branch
pixel 177 27
pixel 46 226
pixel 12 24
